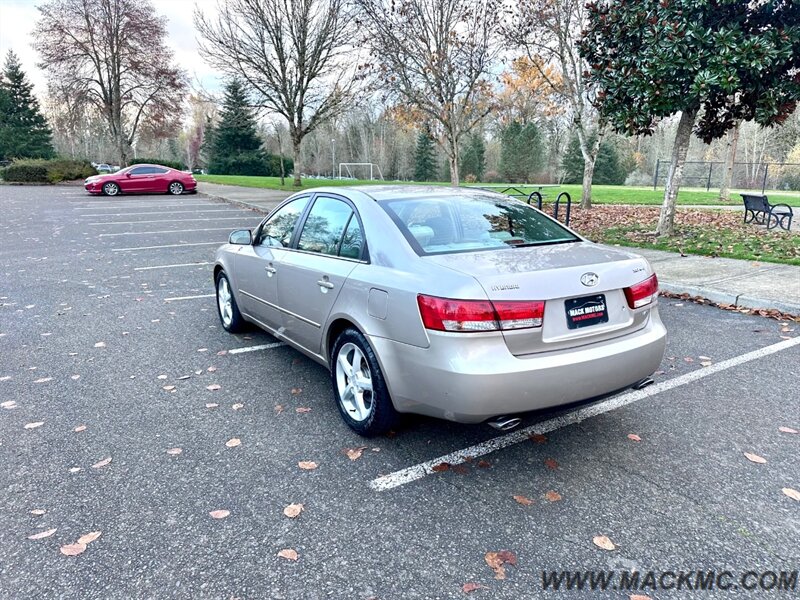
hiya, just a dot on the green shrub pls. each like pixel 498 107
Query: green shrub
pixel 172 164
pixel 47 171
pixel 26 171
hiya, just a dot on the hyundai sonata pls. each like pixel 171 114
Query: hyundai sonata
pixel 455 303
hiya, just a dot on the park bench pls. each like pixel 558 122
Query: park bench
pixel 757 209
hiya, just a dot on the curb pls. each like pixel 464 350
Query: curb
pixel 233 202
pixel 737 300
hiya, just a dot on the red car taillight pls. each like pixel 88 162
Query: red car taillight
pixel 643 293
pixel 445 314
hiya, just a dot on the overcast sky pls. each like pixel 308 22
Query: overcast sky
pixel 18 18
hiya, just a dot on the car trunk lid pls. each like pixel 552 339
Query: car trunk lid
pixel 576 277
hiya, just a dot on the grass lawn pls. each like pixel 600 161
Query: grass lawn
pixel 704 232
pixel 601 194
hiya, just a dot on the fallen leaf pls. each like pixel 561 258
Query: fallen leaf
pixel 471 587
pixel 792 493
pixel 296 391
pixel 278 409
pixel 354 453
pixel 74 377
pixel 460 469
pixel 602 541
pixel 168 388
pixel 288 554
pixel 43 380
pixel 174 451
pixel 787 430
pixel 441 467
pixel 9 404
pixel 38 512
pixel 523 500
pixel 100 345
pixel 237 406
pixel 496 560
pixel 202 349
pixel 538 438
pixel 79 428
pixel 552 496
pixel 89 537
pixel 233 442
pixel 484 464
pixel 755 458
pixel 704 357
pixel 688 359
pixel 222 353
pixel 161 377
pixel 705 363
pixel 551 463
pixel 42 534
pixel 293 510
pixel 219 514
pixel 34 425
pixel 211 405
pixel 634 437
pixel 213 387
pixel 184 377
pixel 302 410
pixel 74 469
pixel 211 369
pixel 102 463
pixel 639 597
pixel 73 549
pixel 307 465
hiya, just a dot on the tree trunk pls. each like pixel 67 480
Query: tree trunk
pixel 730 159
pixel 296 141
pixel 454 170
pixel 589 161
pixel 666 220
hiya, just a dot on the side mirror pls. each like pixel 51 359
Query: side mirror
pixel 241 237
pixel 128 174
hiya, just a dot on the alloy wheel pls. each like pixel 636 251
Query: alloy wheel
pixel 225 301
pixel 354 382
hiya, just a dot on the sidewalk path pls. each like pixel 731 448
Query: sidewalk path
pixel 725 280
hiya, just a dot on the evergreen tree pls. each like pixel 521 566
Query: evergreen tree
pixel 473 157
pixel 235 148
pixel 521 155
pixel 24 132
pixel 608 169
pixel 424 159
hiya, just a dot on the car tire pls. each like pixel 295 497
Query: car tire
pixel 227 309
pixel 175 188
pixel 111 189
pixel 359 388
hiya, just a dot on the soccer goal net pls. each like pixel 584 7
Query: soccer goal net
pixel 360 171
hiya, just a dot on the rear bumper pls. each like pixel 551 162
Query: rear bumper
pixel 470 378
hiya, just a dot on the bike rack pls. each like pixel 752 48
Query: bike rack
pixel 555 207
pixel 538 199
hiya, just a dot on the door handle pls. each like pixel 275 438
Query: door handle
pixel 270 271
pixel 325 284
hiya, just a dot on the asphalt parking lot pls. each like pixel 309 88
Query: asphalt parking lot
pixel 108 322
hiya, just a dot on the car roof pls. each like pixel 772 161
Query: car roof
pixel 408 192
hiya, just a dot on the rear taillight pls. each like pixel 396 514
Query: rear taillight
pixel 445 314
pixel 643 293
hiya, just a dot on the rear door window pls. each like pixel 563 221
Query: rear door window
pixel 325 226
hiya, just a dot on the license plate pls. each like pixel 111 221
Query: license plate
pixel 586 311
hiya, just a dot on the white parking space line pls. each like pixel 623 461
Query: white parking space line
pixel 418 471
pixel 178 220
pixel 117 207
pixel 197 264
pixel 163 231
pixel 170 212
pixel 217 243
pixel 255 348
pixel 177 298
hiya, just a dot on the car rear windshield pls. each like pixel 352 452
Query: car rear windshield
pixel 455 223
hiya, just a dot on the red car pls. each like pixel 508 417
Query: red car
pixel 142 179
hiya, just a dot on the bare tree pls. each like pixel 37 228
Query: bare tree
pixel 293 54
pixel 113 53
pixel 436 55
pixel 547 30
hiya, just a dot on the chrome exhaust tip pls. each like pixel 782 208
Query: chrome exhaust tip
pixel 504 423
pixel 643 383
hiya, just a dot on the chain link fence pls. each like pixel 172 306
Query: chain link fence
pixel 746 175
